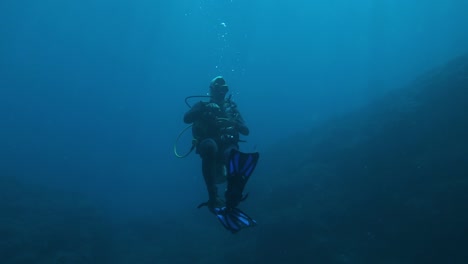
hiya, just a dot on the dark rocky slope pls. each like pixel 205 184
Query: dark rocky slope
pixel 386 184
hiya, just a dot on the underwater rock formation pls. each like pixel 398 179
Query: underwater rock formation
pixel 385 184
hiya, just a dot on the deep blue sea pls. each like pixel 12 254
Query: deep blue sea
pixel 92 101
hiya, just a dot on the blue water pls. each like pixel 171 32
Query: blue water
pixel 92 92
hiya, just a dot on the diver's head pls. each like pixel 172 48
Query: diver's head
pixel 218 88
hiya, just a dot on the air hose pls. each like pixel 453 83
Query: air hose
pixel 194 141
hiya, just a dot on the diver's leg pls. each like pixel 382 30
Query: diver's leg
pixel 208 150
pixel 227 153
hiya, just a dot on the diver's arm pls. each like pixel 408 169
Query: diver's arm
pixel 243 129
pixel 241 126
pixel 194 113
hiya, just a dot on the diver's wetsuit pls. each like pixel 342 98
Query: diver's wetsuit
pixel 216 130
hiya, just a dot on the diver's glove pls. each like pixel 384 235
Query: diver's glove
pixel 211 111
pixel 230 123
pixel 212 107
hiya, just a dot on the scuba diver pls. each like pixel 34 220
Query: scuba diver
pixel 216 127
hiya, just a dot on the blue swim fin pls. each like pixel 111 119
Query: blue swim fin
pixel 233 219
pixel 240 167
